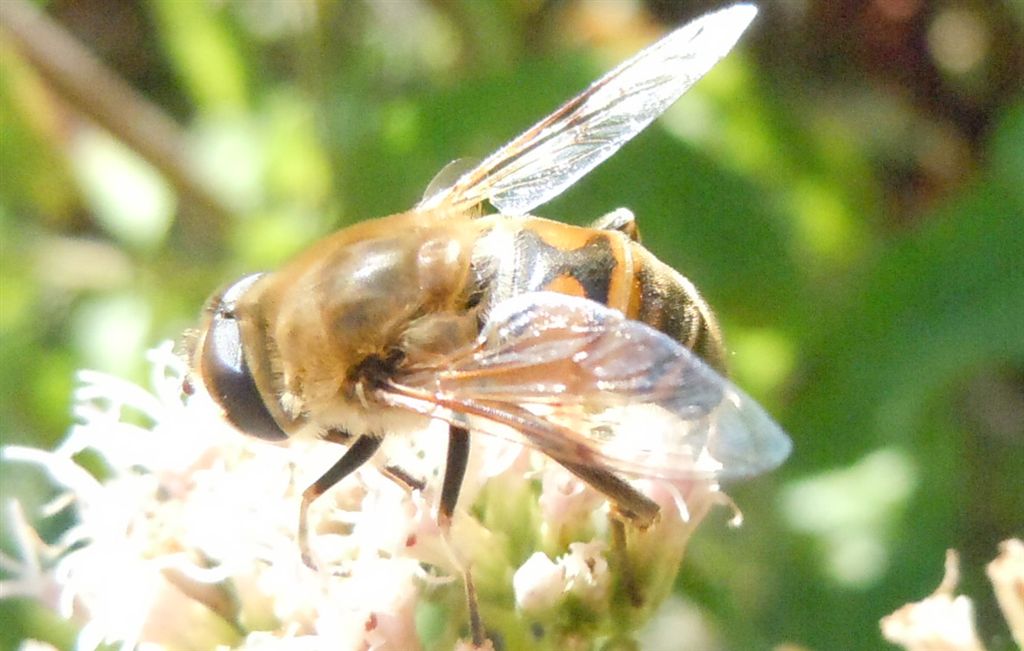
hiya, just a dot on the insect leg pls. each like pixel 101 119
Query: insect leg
pixel 621 559
pixel 476 627
pixel 628 503
pixel 335 435
pixel 454 472
pixel 403 478
pixel 356 455
pixel 397 474
pixel 621 220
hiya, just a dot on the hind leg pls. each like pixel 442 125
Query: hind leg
pixel 628 504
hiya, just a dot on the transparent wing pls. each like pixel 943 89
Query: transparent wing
pixel 553 154
pixel 584 384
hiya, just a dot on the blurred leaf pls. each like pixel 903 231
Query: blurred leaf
pixel 35 174
pixel 299 169
pixel 933 305
pixel 850 511
pixel 36 384
pixel 112 333
pixel 228 151
pixel 129 198
pixel 812 172
pixel 762 360
pixel 24 619
pixel 205 52
pixel 1007 154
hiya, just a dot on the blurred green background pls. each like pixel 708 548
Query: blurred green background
pixel 847 189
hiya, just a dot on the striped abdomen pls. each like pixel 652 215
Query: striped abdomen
pixel 532 254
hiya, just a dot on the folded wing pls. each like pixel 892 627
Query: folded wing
pixel 584 384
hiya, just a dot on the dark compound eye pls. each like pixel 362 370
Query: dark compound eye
pixel 226 373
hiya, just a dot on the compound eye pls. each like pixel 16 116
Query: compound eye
pixel 226 373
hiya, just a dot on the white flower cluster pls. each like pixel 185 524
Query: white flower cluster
pixel 944 621
pixel 188 541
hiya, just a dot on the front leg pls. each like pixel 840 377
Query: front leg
pixel 405 479
pixel 356 455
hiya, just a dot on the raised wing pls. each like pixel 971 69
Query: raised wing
pixel 584 384
pixel 557 151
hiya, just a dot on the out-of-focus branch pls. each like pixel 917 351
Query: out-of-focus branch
pixel 97 92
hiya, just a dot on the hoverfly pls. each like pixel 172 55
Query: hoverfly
pixel 505 323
